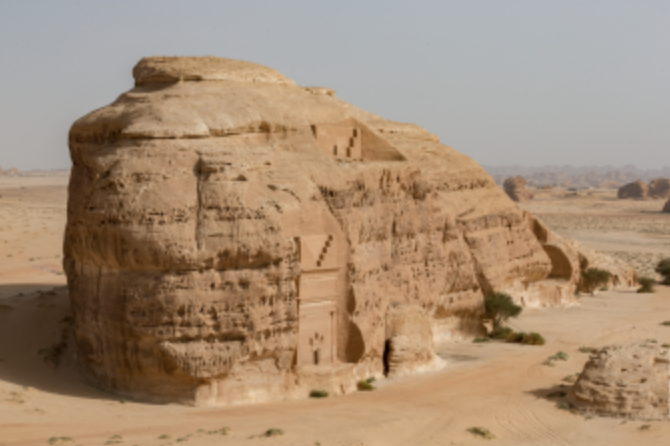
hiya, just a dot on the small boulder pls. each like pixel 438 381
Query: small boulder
pixel 515 188
pixel 630 382
pixel 635 190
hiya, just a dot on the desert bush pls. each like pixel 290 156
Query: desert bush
pixel 499 307
pixel 647 285
pixel 663 268
pixel 501 333
pixel 595 278
pixel 666 323
pixel 365 385
pixel 526 338
pixel 318 394
pixel 584 349
pixel 481 432
pixel 273 432
pixel 559 356
pixel 533 339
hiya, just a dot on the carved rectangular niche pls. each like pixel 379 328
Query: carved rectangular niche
pixel 317 299
pixel 316 340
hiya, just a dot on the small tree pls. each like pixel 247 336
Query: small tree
pixel 594 278
pixel 647 285
pixel 499 307
pixel 663 268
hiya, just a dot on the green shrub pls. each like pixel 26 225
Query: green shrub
pixel 318 394
pixel 365 385
pixel 587 349
pixel 499 307
pixel 526 338
pixel 594 278
pixel 273 432
pixel 533 339
pixel 559 356
pixel 481 432
pixel 647 285
pixel 501 333
pixel 663 268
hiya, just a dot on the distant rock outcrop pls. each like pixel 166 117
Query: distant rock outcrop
pixel 666 208
pixel 637 190
pixel 515 188
pixel 659 188
pixel 12 171
pixel 629 382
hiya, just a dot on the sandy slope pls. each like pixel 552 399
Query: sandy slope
pixel 501 387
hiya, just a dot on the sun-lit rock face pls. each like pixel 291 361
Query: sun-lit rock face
pixel 630 382
pixel 234 238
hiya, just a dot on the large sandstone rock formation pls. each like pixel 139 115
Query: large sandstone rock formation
pixel 515 187
pixel 666 208
pixel 233 237
pixel 629 382
pixel 659 188
pixel 636 189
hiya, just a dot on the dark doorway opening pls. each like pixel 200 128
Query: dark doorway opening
pixel 316 357
pixel 385 356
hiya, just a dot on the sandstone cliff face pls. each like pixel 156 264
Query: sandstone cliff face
pixel 234 238
pixel 630 382
pixel 666 208
pixel 515 188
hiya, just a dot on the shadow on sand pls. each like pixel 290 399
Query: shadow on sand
pixel 36 344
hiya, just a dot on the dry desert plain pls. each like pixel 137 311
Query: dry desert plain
pixel 500 387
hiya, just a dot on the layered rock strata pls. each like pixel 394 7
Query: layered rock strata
pixel 515 188
pixel 629 382
pixel 235 238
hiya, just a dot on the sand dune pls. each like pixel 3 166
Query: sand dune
pixel 497 386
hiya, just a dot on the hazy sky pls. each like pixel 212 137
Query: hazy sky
pixel 506 82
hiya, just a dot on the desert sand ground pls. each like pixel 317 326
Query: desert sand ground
pixel 501 387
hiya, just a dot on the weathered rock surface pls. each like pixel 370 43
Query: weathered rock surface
pixel 629 382
pixel 659 188
pixel 636 189
pixel 666 208
pixel 515 188
pixel 235 238
pixel 409 337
